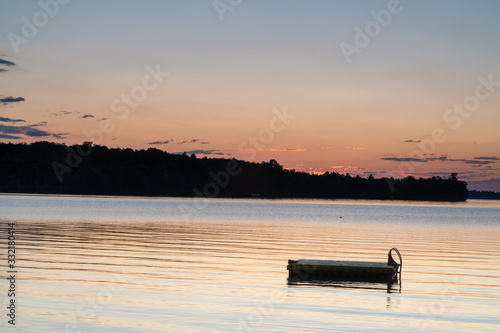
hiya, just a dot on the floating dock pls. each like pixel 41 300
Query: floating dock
pixel 311 270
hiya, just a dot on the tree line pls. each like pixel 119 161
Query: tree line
pixel 52 168
pixel 484 195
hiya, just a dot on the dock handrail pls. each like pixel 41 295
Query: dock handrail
pixel 392 262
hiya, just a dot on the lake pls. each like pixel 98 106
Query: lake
pixel 108 264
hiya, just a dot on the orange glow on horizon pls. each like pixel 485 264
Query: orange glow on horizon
pixel 276 149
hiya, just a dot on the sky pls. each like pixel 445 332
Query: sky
pixel 382 88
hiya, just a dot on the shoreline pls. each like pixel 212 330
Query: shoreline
pixel 395 202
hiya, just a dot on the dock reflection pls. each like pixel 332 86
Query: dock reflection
pixel 391 287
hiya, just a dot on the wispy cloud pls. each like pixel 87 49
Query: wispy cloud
pixel 489 167
pixel 6 62
pixel 60 113
pixel 412 141
pixel 160 142
pixel 442 158
pixel 34 132
pixel 203 152
pixel 29 131
pixel 492 158
pixel 10 99
pixel 87 116
pixel 188 141
pixel 9 120
pixel 404 159
pixel 8 136
pixel 479 162
pixel 60 135
pixel 43 123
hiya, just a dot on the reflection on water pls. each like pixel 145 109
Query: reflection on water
pixel 228 274
pixel 394 287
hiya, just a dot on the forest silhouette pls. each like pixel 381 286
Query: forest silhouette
pixel 52 168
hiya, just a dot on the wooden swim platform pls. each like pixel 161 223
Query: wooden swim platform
pixel 311 270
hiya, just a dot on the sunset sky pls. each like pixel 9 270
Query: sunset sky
pixel 387 88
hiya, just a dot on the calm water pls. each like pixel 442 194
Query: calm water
pixel 88 264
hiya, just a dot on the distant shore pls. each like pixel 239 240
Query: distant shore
pixel 484 195
pixel 87 169
pixel 472 202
